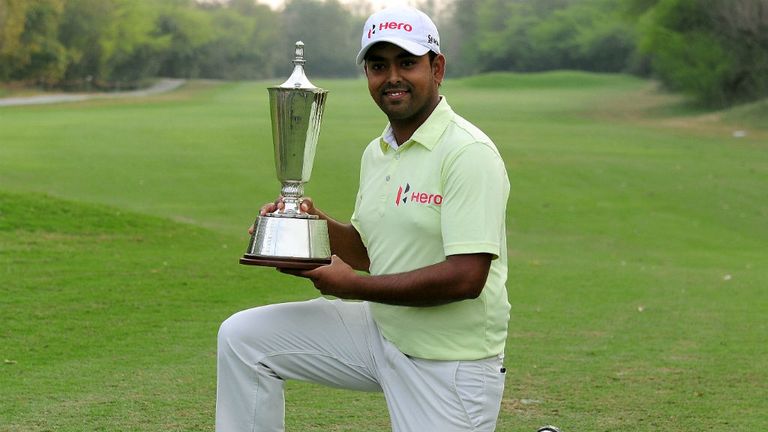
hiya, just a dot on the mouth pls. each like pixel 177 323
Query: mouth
pixel 395 93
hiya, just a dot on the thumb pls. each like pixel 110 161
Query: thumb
pixel 307 205
pixel 336 260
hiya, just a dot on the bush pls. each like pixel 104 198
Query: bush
pixel 713 50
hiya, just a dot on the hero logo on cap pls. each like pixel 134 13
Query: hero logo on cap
pixel 405 27
pixel 390 26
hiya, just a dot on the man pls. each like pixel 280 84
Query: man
pixel 428 227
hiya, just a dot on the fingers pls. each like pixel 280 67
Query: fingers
pixel 294 272
pixel 277 205
pixel 307 206
pixel 309 273
pixel 272 207
pixel 267 208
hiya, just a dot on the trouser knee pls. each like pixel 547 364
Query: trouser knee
pixel 233 331
pixel 250 333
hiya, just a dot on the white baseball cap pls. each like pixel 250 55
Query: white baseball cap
pixel 406 27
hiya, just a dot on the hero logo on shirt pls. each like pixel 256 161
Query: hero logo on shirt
pixel 404 196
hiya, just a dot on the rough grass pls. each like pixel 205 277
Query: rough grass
pixel 109 318
pixel 637 256
pixel 754 115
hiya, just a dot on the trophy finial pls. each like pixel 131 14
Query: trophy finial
pixel 298 79
pixel 299 59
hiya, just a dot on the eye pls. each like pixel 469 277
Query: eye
pixel 375 66
pixel 409 62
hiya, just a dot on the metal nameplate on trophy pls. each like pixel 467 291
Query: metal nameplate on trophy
pixel 290 238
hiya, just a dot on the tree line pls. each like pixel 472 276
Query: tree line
pixel 713 50
pixel 109 43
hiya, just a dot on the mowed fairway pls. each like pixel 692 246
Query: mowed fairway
pixel 638 244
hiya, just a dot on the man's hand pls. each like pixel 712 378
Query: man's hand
pixel 272 207
pixel 337 278
pixel 459 277
pixel 279 205
pixel 344 238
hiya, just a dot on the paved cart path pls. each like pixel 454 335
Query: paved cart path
pixel 161 86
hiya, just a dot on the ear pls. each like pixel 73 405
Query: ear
pixel 438 68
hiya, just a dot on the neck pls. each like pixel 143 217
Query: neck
pixel 403 129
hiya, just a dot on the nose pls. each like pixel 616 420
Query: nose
pixel 394 75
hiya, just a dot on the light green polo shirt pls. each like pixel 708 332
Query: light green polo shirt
pixel 441 193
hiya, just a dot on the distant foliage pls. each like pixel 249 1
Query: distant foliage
pixel 713 50
pixel 118 43
pixel 331 32
pixel 29 44
pixel 527 35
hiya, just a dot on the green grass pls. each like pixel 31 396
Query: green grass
pixel 563 80
pixel 637 255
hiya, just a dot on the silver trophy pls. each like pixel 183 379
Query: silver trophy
pixel 291 238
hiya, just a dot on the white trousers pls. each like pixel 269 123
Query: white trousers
pixel 337 343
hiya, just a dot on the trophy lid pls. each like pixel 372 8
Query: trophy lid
pixel 298 79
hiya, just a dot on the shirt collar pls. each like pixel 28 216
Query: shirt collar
pixel 388 138
pixel 427 134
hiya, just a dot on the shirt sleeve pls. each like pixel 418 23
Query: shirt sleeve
pixel 355 219
pixel 475 192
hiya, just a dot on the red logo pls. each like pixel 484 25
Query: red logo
pixel 391 25
pixel 403 197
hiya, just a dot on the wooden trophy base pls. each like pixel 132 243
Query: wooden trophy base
pixel 285 262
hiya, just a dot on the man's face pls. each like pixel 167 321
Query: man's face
pixel 403 85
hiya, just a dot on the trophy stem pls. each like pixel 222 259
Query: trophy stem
pixel 292 193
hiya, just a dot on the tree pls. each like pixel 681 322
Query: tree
pixel 588 35
pixel 534 35
pixel 743 27
pixel 188 30
pixel 242 46
pixel 331 35
pixel 29 49
pixel 132 51
pixel 110 40
pixel 713 50
pixel 12 20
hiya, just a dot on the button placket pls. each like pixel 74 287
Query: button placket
pixel 387 186
pixel 392 167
